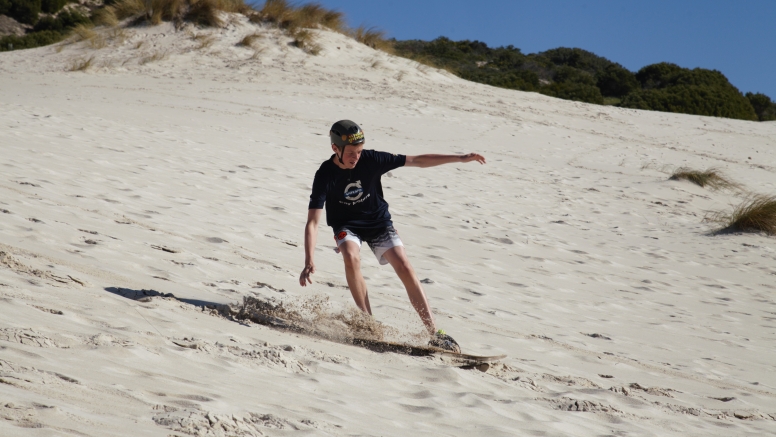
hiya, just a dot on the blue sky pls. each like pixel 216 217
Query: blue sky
pixel 737 38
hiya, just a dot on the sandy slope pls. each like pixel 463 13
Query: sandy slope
pixel 190 175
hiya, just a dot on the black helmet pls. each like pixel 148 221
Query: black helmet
pixel 345 133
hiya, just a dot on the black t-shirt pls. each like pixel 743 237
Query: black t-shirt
pixel 354 197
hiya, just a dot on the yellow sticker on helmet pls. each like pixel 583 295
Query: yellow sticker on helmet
pixel 352 138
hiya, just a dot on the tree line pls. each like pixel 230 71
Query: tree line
pixel 576 74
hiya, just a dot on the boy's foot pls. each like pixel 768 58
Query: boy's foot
pixel 444 341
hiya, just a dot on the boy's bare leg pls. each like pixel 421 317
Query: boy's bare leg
pixel 351 254
pixel 398 259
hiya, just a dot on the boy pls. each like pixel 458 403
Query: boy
pixel 348 184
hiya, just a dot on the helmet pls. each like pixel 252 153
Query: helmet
pixel 345 132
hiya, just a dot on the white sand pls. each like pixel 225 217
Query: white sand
pixel 564 252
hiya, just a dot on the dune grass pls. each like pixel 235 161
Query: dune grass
pixel 153 57
pixel 81 64
pixel 371 37
pixel 755 214
pixel 712 178
pixel 308 16
pixel 249 40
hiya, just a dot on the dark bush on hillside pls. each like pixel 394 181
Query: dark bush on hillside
pixel 523 80
pixel 52 6
pixel 670 88
pixel 692 99
pixel 504 67
pixel 29 41
pixel 23 11
pixel 616 81
pixel 763 106
pixel 577 91
pixel 577 58
pixel 64 21
pixel 565 74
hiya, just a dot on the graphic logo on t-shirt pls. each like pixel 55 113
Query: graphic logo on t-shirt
pixel 353 191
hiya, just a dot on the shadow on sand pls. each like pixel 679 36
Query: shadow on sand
pixel 147 295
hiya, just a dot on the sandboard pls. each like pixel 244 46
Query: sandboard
pixel 469 361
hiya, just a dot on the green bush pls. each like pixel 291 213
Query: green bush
pixel 23 11
pixel 52 6
pixel 565 74
pixel 64 21
pixel 692 99
pixel 29 41
pixel 763 106
pixel 577 91
pixel 671 88
pixel 616 81
pixel 577 58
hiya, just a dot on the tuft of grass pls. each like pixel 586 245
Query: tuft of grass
pixel 305 40
pixel 205 40
pixel 755 214
pixel 372 37
pixel 128 8
pixel 289 17
pixel 257 52
pixel 249 40
pixel 157 56
pixel 105 17
pixel 83 33
pixel 207 12
pixel 81 64
pixel 712 178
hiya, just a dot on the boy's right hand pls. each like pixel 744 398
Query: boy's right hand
pixel 304 278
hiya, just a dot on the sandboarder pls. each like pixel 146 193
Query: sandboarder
pixel 348 184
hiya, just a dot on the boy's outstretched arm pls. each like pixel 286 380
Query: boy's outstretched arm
pixel 432 160
pixel 310 237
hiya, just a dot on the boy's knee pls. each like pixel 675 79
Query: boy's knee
pixel 351 258
pixel 403 266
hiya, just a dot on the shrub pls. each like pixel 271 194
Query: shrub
pixel 712 178
pixel 580 92
pixel 692 99
pixel 30 41
pixel 577 58
pixel 755 214
pixel 52 6
pixel 763 106
pixel 670 88
pixel 64 21
pixel 23 11
pixel 616 81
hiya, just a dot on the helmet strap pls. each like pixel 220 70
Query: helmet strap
pixel 341 155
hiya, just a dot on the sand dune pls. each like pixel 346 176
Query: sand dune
pixel 184 169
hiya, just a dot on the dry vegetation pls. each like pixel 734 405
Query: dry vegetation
pixel 372 37
pixel 297 21
pixel 249 40
pixel 755 214
pixel 153 57
pixel 81 64
pixel 711 178
pixel 202 12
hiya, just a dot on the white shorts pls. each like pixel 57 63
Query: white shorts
pixel 379 244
